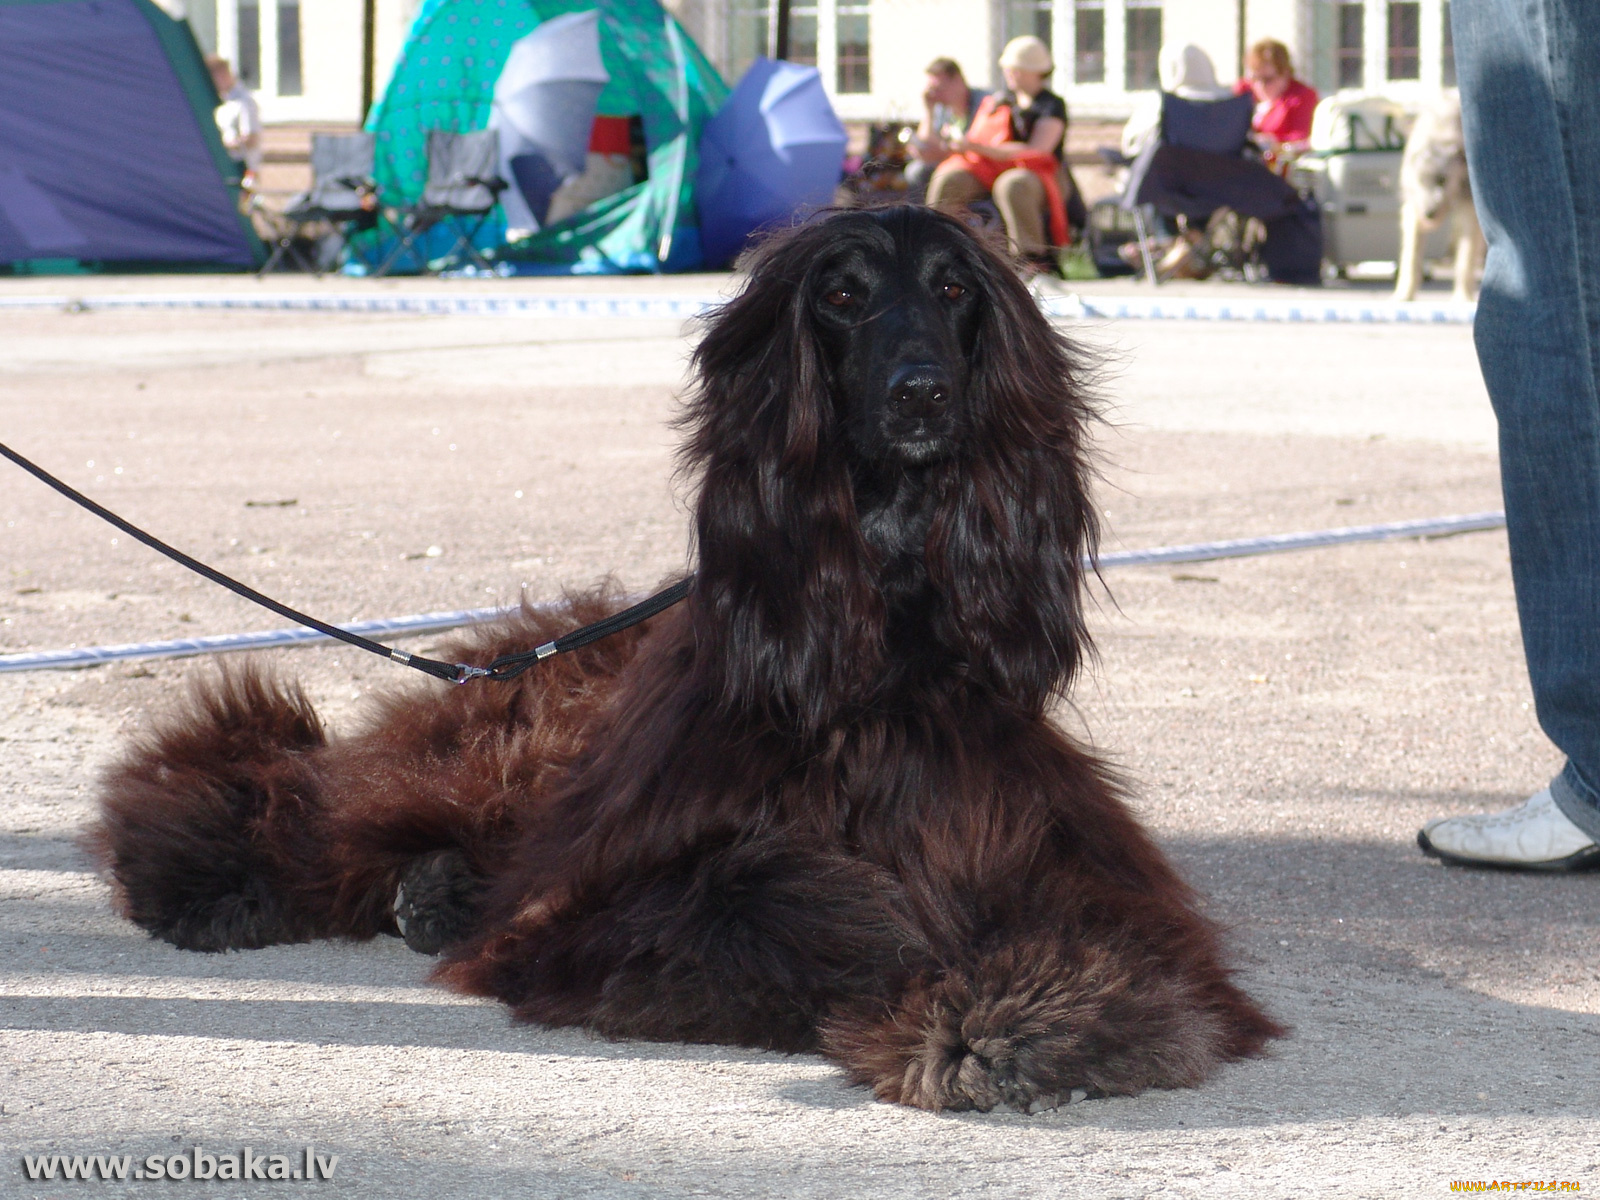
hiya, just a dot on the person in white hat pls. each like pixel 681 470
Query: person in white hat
pixel 1187 72
pixel 1012 151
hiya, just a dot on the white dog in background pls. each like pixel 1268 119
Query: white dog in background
pixel 1433 190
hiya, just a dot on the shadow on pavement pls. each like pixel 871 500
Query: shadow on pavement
pixel 1340 938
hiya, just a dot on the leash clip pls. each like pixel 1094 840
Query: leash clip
pixel 466 673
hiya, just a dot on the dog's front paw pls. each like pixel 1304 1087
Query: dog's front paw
pixel 977 1055
pixel 436 903
pixel 944 1047
pixel 1031 1027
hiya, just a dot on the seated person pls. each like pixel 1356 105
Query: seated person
pixel 1284 105
pixel 947 105
pixel 1012 152
pixel 1192 185
pixel 1186 71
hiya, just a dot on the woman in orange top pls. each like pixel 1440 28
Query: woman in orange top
pixel 1012 152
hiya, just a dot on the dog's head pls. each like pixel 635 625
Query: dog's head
pixel 896 306
pixel 884 417
pixel 859 334
pixel 1433 169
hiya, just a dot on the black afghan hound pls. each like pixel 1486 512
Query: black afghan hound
pixel 820 805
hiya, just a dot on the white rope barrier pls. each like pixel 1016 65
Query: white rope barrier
pixel 439 621
pixel 640 307
pixel 1299 309
pixel 92 656
pixel 1279 542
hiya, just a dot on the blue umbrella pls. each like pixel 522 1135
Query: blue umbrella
pixel 544 103
pixel 775 148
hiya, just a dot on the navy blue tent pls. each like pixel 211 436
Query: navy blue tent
pixel 109 152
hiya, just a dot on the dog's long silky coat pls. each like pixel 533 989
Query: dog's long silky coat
pixel 821 804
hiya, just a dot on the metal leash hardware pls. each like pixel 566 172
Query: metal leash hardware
pixel 458 673
pixel 507 666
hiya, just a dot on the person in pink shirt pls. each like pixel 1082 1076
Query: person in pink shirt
pixel 1283 104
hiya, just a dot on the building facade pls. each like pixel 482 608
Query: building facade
pixel 304 57
pixel 871 52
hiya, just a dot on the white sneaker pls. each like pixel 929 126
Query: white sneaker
pixel 1535 836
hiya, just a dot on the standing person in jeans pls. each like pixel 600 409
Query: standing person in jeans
pixel 1531 114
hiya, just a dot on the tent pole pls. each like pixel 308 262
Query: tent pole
pixel 1242 42
pixel 369 64
pixel 778 29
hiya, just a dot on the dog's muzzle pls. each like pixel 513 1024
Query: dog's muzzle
pixel 917 419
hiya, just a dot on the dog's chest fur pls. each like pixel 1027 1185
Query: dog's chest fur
pixel 897 509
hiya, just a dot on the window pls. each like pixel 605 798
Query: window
pixel 855 42
pixel 747 35
pixel 1089 41
pixel 1142 68
pixel 262 40
pixel 1029 16
pixel 1405 46
pixel 202 18
pixel 1447 50
pixel 1348 57
pixel 289 83
pixel 248 68
pixel 749 24
pixel 803 34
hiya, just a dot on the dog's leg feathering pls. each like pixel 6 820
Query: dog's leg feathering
pixel 1032 1024
pixel 207 829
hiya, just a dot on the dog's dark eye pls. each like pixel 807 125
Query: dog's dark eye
pixel 840 298
pixel 952 291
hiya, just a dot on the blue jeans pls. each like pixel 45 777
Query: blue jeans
pixel 1530 92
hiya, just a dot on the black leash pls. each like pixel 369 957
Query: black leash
pixel 507 666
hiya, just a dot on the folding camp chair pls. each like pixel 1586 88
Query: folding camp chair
pixel 1215 127
pixel 343 196
pixel 462 190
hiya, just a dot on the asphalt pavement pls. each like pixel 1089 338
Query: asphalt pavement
pixel 1288 722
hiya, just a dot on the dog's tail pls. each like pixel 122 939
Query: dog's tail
pixel 209 827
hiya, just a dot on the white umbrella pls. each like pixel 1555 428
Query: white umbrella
pixel 544 105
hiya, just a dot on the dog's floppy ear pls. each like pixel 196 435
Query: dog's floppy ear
pixel 788 622
pixel 1006 547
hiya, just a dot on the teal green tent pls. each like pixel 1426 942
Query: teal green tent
pixel 445 79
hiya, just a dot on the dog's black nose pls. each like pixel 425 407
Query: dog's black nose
pixel 919 391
